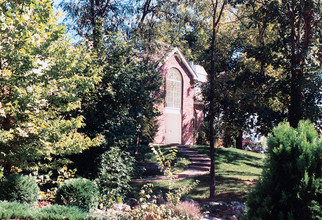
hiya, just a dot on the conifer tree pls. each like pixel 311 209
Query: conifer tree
pixel 290 185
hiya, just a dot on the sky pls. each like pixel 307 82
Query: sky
pixel 70 34
pixel 56 3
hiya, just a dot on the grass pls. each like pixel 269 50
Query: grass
pixel 235 163
pixel 236 171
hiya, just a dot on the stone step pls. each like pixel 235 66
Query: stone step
pixel 197 155
pixel 192 153
pixel 206 164
pixel 203 168
pixel 188 152
pixel 199 158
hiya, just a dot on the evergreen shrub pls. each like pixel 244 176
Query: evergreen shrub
pixel 15 210
pixel 116 169
pixel 79 192
pixel 290 186
pixel 20 188
pixel 61 212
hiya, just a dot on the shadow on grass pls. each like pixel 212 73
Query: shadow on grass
pixel 250 175
pixel 256 165
pixel 227 188
pixel 233 170
pixel 232 156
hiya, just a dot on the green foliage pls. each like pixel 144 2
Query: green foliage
pixel 183 211
pixel 202 135
pixel 79 192
pixel 15 210
pixel 42 79
pixel 280 56
pixel 175 191
pixel 20 188
pixel 290 187
pixel 49 182
pixel 122 106
pixel 12 210
pixel 57 212
pixel 116 169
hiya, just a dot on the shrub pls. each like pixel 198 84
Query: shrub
pixel 16 187
pixel 182 211
pixel 79 192
pixel 61 212
pixel 290 187
pixel 202 135
pixel 186 210
pixel 14 210
pixel 116 168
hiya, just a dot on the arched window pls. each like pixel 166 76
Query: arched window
pixel 173 89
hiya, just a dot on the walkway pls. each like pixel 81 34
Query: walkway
pixel 200 165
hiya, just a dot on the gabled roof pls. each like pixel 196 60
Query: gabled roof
pixel 198 72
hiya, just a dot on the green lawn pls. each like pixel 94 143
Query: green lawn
pixel 235 171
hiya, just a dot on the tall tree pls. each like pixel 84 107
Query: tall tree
pixel 121 107
pixel 42 77
pixel 217 7
pixel 288 36
pixel 91 19
pixel 301 19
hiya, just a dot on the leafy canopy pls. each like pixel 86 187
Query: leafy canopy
pixel 42 80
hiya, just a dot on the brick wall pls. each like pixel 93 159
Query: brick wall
pixel 187 103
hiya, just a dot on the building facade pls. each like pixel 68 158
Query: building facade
pixel 182 106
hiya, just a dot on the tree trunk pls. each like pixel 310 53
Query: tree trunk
pixel 299 52
pixel 227 138
pixel 239 140
pixel 212 74
pixel 212 113
pixel 295 108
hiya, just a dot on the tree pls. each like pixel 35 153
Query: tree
pixel 43 78
pixel 287 48
pixel 217 10
pixel 122 106
pixel 91 19
pixel 301 19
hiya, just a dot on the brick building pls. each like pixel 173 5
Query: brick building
pixel 182 105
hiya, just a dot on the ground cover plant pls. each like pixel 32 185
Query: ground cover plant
pixel 16 210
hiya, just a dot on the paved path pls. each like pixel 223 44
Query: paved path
pixel 200 165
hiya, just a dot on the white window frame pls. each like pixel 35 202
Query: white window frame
pixel 173 89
